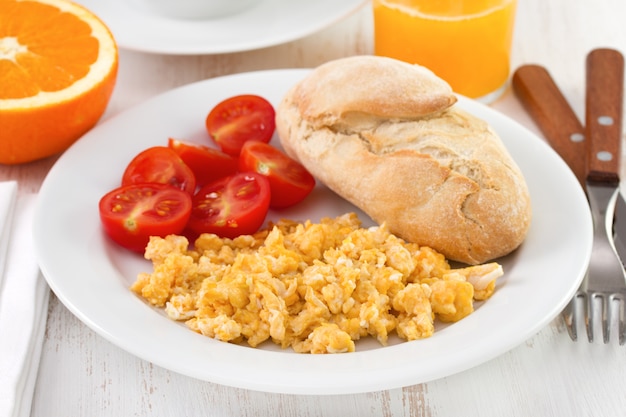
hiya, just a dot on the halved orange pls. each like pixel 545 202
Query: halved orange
pixel 58 67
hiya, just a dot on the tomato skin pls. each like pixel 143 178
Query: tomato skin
pixel 207 164
pixel 231 206
pixel 290 182
pixel 159 164
pixel 132 213
pixel 239 119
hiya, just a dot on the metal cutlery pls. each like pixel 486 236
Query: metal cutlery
pixel 593 154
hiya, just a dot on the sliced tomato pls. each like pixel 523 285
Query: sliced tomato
pixel 290 182
pixel 162 165
pixel 131 214
pixel 239 119
pixel 232 206
pixel 207 164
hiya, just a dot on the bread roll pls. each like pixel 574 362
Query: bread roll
pixel 386 136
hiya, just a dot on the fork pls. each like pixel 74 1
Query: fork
pixel 601 297
pixel 600 300
pixel 605 284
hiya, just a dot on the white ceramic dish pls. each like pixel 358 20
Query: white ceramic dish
pixel 195 9
pixel 136 26
pixel 91 276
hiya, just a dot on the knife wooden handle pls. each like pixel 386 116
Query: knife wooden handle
pixel 604 102
pixel 545 103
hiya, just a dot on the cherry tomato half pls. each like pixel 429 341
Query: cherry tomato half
pixel 231 206
pixel 239 119
pixel 162 165
pixel 290 182
pixel 207 164
pixel 131 214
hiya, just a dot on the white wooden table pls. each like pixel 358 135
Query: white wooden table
pixel 81 374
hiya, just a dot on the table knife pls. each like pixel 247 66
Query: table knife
pixel 592 164
pixel 545 103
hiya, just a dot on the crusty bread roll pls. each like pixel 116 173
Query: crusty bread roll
pixel 386 136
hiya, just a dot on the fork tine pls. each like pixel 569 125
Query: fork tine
pixel 589 317
pixel 617 301
pixel 598 317
pixel 570 318
pixel 605 308
pixel 579 313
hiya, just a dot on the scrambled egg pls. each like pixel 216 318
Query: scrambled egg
pixel 314 287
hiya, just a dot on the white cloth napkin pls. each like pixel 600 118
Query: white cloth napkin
pixel 8 197
pixel 24 298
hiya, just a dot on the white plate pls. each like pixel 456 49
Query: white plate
pixel 271 22
pixel 91 276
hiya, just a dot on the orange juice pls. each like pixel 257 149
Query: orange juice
pixel 467 43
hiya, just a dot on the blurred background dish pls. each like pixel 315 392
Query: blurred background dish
pixel 267 23
pixel 196 9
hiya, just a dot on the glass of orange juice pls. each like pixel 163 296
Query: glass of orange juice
pixel 465 42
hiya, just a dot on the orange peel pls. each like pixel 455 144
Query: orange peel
pixel 58 68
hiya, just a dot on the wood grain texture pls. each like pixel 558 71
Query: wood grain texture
pixel 603 120
pixel 82 374
pixel 542 99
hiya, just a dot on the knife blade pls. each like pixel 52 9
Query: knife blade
pixel 619 228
